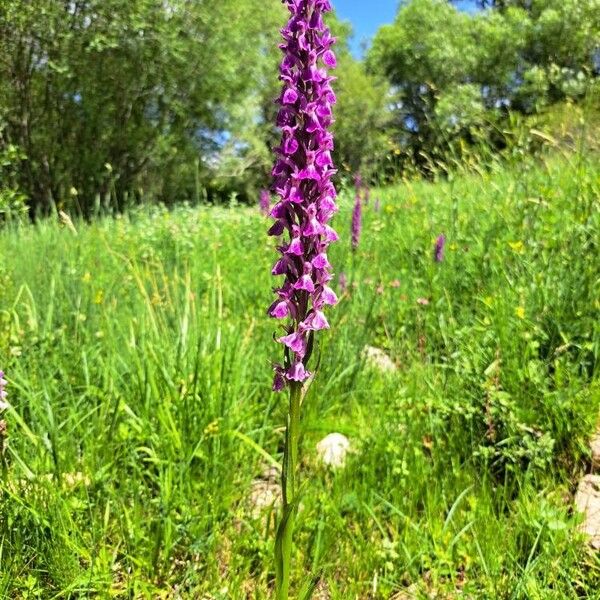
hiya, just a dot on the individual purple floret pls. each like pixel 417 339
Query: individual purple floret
pixel 356 222
pixel 3 393
pixel 265 202
pixel 302 181
pixel 438 252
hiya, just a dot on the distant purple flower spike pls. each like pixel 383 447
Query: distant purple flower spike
pixel 265 204
pixel 377 205
pixel 343 282
pixel 362 188
pixel 438 253
pixel 302 181
pixel 356 222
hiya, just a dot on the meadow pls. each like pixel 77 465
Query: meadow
pixel 137 351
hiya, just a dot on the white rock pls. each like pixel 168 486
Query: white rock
pixel 378 359
pixel 333 449
pixel 587 501
pixel 410 593
pixel 322 591
pixel 265 492
pixel 264 495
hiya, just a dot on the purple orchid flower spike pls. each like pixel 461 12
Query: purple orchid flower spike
pixel 362 188
pixel 356 227
pixel 438 252
pixel 302 180
pixel 358 182
pixel 377 205
pixel 3 427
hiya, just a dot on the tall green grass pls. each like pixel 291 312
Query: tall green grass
pixel 138 354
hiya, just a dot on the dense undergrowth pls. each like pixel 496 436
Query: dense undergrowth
pixel 137 351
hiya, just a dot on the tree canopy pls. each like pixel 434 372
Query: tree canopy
pixel 454 72
pixel 108 97
pixel 105 103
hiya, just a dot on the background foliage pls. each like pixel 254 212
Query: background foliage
pixel 110 101
pixel 106 103
pixel 458 76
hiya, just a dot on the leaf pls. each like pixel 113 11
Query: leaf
pixel 309 587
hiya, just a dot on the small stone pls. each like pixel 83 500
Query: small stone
pixel 595 447
pixel 411 593
pixel 263 495
pixel 333 449
pixel 265 492
pixel 271 473
pixel 322 591
pixel 587 501
pixel 378 359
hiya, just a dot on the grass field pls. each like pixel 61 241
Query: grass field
pixel 138 357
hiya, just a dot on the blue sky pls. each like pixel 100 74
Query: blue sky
pixel 367 16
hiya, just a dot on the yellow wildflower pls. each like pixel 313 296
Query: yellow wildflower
pixel 517 247
pixel 212 428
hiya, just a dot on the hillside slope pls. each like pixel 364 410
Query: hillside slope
pixel 138 357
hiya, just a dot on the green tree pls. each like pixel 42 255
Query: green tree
pixel 425 53
pixel 107 98
pixel 362 116
pixel 458 74
pixel 362 111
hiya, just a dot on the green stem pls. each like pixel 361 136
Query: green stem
pixel 285 531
